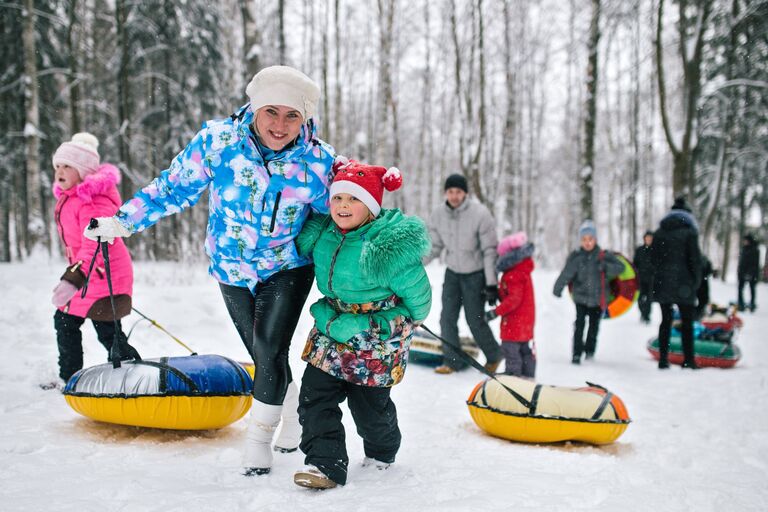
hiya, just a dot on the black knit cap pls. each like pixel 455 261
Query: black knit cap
pixel 680 204
pixel 648 233
pixel 456 181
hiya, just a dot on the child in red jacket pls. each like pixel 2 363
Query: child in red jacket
pixel 517 308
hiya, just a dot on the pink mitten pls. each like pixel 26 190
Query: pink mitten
pixel 62 293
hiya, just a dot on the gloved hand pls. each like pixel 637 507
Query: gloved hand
pixel 107 228
pixel 63 292
pixel 490 315
pixel 492 294
pixel 557 293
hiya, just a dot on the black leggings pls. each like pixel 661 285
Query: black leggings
pixel 70 341
pixel 266 322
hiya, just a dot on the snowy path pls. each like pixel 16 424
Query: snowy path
pixel 698 441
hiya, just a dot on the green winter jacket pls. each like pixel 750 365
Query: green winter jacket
pixel 368 264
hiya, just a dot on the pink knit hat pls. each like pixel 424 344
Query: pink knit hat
pixel 512 241
pixel 81 153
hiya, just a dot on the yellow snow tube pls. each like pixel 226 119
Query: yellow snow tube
pixel 180 393
pixel 547 414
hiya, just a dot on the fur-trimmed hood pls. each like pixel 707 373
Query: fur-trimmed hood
pixel 515 256
pixel 106 178
pixel 393 242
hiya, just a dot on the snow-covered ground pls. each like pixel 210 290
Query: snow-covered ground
pixel 698 440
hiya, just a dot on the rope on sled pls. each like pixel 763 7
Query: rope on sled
pixel 477 366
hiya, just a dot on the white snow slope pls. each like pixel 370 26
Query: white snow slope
pixel 698 440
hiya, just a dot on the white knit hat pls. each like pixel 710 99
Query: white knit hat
pixel 81 153
pixel 284 85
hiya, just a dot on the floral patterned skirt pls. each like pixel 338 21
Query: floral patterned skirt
pixel 364 359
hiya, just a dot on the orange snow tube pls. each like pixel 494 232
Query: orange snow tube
pixel 547 414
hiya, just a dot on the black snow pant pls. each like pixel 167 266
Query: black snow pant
pixel 467 290
pixel 752 285
pixel 579 345
pixel 323 440
pixel 644 301
pixel 70 341
pixel 518 358
pixel 687 312
pixel 266 322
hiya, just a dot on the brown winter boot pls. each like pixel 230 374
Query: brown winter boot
pixel 492 367
pixel 444 369
pixel 312 478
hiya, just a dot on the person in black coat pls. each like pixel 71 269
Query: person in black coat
pixel 676 261
pixel 644 267
pixel 749 269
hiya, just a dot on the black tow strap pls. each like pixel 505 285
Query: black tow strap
pixel 606 400
pixel 114 352
pixel 477 366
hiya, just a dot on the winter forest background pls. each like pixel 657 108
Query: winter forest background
pixel 555 110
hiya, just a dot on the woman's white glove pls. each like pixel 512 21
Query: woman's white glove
pixel 107 228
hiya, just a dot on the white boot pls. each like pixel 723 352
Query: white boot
pixel 258 448
pixel 290 430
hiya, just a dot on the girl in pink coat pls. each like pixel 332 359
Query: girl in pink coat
pixel 85 189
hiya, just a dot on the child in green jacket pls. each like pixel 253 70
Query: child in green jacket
pixel 368 268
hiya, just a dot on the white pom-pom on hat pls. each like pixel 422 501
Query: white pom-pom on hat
pixel 86 139
pixel 392 179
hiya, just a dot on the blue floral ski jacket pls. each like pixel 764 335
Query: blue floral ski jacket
pixel 256 206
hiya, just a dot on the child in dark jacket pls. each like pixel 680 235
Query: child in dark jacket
pixel 589 270
pixel 368 267
pixel 517 308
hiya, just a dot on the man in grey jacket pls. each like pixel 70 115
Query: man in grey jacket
pixel 466 231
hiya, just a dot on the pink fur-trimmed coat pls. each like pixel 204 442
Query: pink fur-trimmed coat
pixel 95 196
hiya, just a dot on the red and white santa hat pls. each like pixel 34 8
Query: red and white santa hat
pixel 365 182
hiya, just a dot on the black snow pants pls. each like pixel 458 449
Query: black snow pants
pixel 467 290
pixel 70 341
pixel 266 322
pixel 687 312
pixel 579 345
pixel 323 440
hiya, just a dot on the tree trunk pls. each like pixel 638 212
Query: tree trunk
pixel 588 157
pixel 281 31
pixel 251 41
pixel 123 95
pixel 682 166
pixel 74 69
pixel 35 220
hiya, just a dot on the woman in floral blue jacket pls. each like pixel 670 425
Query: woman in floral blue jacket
pixel 265 171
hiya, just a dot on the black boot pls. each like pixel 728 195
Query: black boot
pixel 663 363
pixel 690 364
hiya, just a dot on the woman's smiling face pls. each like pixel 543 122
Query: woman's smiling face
pixel 348 212
pixel 278 125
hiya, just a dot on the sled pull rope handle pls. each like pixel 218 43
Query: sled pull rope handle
pixel 115 350
pixel 477 366
pixel 163 329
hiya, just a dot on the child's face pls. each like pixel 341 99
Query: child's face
pixel 65 176
pixel 348 212
pixel 588 242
